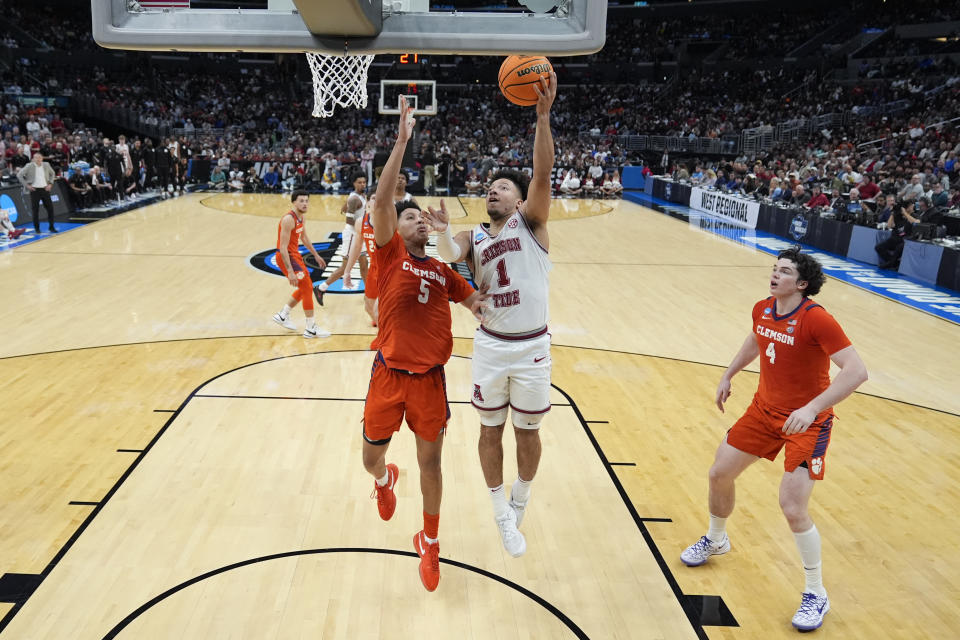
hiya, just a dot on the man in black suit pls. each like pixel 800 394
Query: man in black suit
pixel 114 163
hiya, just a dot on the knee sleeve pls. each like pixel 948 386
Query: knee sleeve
pixel 493 418
pixel 523 420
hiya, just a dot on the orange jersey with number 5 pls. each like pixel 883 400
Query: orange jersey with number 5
pixel 414 325
pixel 795 352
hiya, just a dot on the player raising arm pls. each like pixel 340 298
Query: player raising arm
pixel 511 348
pixel 415 342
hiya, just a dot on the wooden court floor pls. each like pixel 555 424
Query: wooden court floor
pixel 174 465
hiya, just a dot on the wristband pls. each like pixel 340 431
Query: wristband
pixel 447 247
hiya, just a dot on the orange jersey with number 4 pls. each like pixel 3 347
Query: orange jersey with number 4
pixel 414 324
pixel 795 352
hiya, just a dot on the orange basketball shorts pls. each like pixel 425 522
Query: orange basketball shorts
pixel 393 395
pixel 760 432
pixel 304 291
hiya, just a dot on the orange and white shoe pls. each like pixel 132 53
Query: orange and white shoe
pixel 386 498
pixel 429 561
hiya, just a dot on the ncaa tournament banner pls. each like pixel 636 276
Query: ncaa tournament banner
pixel 739 211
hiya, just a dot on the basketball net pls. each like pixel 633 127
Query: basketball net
pixel 338 80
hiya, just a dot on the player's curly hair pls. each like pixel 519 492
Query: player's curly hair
pixel 519 178
pixel 403 205
pixel 808 269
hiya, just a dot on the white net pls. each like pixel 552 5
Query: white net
pixel 338 80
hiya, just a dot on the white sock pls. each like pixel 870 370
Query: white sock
pixel 429 540
pixel 382 482
pixel 285 312
pixel 520 492
pixel 310 324
pixel 808 543
pixel 500 506
pixel 718 528
pixel 323 286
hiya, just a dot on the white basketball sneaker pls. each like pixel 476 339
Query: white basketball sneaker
pixel 316 332
pixel 513 540
pixel 810 614
pixel 701 550
pixel 286 323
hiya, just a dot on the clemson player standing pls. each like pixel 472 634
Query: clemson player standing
pixel 290 234
pixel 796 339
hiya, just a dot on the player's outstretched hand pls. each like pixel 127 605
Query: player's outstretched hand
pixel 723 392
pixel 799 421
pixel 478 301
pixel 547 91
pixel 437 219
pixel 407 121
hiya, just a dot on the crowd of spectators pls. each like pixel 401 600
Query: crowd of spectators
pixel 907 182
pixel 261 113
pixel 52 26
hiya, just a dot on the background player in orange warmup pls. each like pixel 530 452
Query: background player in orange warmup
pixel 290 234
pixel 793 408
pixel 415 341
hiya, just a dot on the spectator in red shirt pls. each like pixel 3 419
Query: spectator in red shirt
pixel 868 189
pixel 817 199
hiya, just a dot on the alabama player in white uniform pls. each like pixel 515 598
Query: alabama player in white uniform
pixel 353 210
pixel 511 349
pixel 363 251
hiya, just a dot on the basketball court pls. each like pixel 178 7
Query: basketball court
pixel 175 465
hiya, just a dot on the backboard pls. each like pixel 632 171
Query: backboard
pixel 572 27
pixel 420 94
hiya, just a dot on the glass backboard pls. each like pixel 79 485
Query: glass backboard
pixel 421 96
pixel 483 27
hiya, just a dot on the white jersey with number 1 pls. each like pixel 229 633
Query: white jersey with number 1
pixel 517 267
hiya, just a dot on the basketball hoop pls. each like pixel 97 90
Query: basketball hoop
pixel 338 80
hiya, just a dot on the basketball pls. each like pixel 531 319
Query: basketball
pixel 519 74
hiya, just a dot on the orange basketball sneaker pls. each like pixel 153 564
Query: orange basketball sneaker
pixel 386 498
pixel 429 561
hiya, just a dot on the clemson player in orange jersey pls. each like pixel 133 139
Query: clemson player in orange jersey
pixel 415 342
pixel 793 409
pixel 290 234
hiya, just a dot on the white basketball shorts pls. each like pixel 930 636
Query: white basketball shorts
pixel 347 237
pixel 511 374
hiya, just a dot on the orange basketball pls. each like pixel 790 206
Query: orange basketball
pixel 517 77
